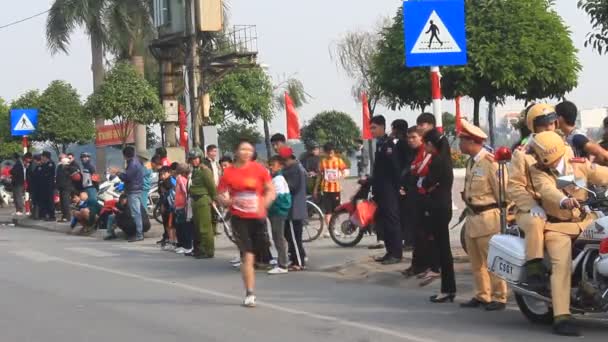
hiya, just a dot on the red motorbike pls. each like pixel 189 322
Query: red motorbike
pixel 345 226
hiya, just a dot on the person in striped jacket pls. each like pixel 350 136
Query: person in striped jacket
pixel 277 213
pixel 331 171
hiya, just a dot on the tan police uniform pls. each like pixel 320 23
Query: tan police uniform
pixel 481 196
pixel 563 224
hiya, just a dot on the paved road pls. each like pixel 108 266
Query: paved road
pixel 63 288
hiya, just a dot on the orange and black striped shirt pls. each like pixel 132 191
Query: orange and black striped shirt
pixel 331 169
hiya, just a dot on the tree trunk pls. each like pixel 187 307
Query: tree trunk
pixel 140 130
pixel 97 55
pixel 267 139
pixel 476 104
pixel 491 124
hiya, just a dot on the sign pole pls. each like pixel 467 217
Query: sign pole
pixel 24 142
pixel 436 96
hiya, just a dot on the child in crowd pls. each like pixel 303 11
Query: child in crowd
pixel 277 214
pixel 183 214
pixel 167 206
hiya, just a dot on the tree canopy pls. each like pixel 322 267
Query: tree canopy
pixel 333 127
pixel 243 94
pixel 231 133
pixel 125 98
pixel 62 119
pixel 598 11
pixel 519 48
pixel 8 144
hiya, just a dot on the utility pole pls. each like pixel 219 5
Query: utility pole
pixel 194 73
pixel 168 93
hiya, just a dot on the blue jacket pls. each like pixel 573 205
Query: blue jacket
pixel 133 177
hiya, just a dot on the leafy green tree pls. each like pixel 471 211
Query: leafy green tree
pixel 230 133
pixel 8 144
pixel 519 48
pixel 62 119
pixel 399 86
pixel 334 127
pixel 243 94
pixel 598 11
pixel 125 99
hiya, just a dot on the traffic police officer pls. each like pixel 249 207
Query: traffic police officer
pixel 530 215
pixel 385 186
pixel 481 195
pixel 564 215
pixel 202 191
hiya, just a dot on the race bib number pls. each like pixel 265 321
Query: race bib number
pixel 246 202
pixel 332 175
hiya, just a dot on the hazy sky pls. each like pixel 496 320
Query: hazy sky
pixel 293 38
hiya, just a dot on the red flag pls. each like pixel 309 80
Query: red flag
pixel 367 133
pixel 183 126
pixel 293 122
pixel 458 116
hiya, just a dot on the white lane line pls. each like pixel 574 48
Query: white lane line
pixel 33 255
pixel 145 249
pixel 90 252
pixel 279 308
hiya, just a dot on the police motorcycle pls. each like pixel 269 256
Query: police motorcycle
pixel 507 258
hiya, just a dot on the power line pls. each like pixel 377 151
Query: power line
pixel 24 19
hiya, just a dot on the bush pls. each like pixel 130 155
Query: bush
pixel 459 160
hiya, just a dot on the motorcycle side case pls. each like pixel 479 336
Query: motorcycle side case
pixel 507 257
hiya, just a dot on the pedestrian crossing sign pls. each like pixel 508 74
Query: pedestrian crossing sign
pixel 435 33
pixel 23 121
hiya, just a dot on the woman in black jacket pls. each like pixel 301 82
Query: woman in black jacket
pixel 438 184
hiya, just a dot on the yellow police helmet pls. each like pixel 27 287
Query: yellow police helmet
pixel 540 114
pixel 548 147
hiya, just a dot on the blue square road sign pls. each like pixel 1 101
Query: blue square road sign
pixel 435 33
pixel 23 121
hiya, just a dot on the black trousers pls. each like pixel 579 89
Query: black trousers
pixel 64 198
pixel 442 253
pixel 18 192
pixel 423 240
pixel 185 234
pixel 388 221
pixel 407 218
pixel 293 234
pixel 47 204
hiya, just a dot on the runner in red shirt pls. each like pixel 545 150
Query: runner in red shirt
pixel 246 188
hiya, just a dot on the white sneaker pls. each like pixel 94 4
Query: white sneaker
pixel 19 213
pixel 180 250
pixel 278 270
pixel 168 247
pixel 249 301
pixel 237 265
pixel 236 260
pixel 326 235
pixel 186 251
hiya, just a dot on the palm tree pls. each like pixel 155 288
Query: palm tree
pixel 65 16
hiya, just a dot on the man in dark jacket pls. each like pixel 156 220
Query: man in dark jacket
pixel 133 177
pixel 385 186
pixel 65 186
pixel 47 187
pixel 87 172
pixel 18 181
pixel 295 175
pixel 34 180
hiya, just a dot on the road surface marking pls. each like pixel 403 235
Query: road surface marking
pixel 33 255
pixel 91 252
pixel 279 308
pixel 139 248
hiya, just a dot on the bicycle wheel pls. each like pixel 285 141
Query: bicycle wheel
pixel 313 226
pixel 157 214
